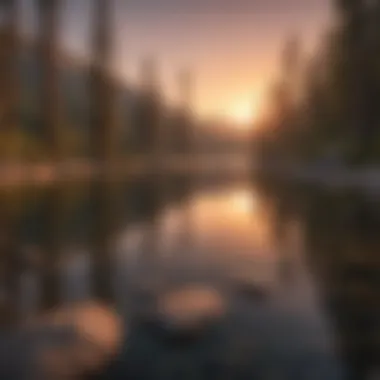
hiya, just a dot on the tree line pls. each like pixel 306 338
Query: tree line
pixel 325 107
pixel 54 109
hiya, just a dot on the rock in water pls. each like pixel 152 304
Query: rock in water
pixel 190 309
pixel 65 343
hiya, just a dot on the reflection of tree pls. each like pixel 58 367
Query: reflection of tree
pixel 105 196
pixel 9 266
pixel 151 244
pixel 185 241
pixel 53 215
pixel 285 221
pixel 344 246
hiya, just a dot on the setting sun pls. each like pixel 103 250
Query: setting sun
pixel 243 113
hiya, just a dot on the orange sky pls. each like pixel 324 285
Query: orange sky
pixel 232 47
pixel 232 61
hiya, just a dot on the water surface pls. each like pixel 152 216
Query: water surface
pixel 297 268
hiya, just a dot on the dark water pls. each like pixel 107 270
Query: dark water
pixel 299 270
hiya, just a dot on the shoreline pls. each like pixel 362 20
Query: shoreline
pixel 12 174
pixel 364 178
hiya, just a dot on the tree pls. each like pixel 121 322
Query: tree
pixel 148 134
pixel 359 72
pixel 335 108
pixel 102 84
pixel 50 100
pixel 283 125
pixel 9 49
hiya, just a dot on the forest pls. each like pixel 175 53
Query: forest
pixel 324 108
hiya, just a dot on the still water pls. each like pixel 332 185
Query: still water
pixel 297 269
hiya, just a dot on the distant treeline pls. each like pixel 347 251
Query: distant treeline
pixel 325 108
pixel 53 106
pixel 138 114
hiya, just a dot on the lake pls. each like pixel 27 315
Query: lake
pixel 296 267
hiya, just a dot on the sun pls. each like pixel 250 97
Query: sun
pixel 243 113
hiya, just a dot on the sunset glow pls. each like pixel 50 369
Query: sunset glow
pixel 242 113
pixel 220 42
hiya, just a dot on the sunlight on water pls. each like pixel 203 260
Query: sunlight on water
pixel 224 255
pixel 244 201
pixel 224 232
pixel 234 222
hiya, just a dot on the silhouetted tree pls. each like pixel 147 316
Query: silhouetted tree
pixel 9 51
pixel 50 99
pixel 185 112
pixel 147 124
pixel 102 83
pixel 337 111
pixel 283 124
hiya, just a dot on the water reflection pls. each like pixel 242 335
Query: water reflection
pixel 52 217
pixel 297 269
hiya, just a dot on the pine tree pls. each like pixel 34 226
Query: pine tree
pixel 9 50
pixel 103 127
pixel 361 87
pixel 50 98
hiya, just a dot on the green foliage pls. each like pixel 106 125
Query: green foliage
pixel 17 145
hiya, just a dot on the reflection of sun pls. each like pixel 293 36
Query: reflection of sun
pixel 243 201
pixel 236 222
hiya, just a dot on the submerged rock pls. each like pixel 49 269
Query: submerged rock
pixel 252 290
pixel 250 287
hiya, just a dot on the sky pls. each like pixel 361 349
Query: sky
pixel 231 47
